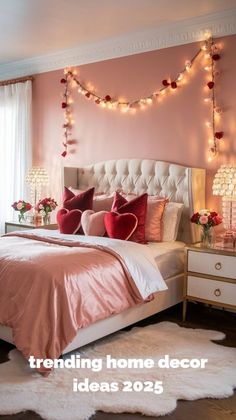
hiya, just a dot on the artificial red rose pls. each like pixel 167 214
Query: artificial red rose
pixel 63 80
pixel 64 105
pixel 219 135
pixel 64 153
pixel 28 206
pixel 165 82
pixel 211 84
pixel 173 85
pixel 217 220
pixel 213 213
pixel 216 57
pixel 97 101
pixel 195 217
pixel 108 98
pixel 88 95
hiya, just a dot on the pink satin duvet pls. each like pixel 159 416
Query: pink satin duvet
pixel 49 288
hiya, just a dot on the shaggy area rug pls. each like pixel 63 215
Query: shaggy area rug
pixel 53 397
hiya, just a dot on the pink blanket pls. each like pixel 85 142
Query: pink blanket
pixel 49 288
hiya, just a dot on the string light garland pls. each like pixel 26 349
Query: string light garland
pixel 68 116
pixel 212 55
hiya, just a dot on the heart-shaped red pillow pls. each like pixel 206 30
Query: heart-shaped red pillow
pixel 69 221
pixel 138 207
pixel 120 226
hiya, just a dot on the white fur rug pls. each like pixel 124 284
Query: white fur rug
pixel 53 398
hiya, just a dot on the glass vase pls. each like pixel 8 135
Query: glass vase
pixel 46 219
pixel 207 237
pixel 21 217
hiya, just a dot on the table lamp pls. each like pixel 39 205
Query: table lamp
pixel 224 185
pixel 36 178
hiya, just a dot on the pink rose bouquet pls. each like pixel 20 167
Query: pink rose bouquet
pixel 45 206
pixel 21 206
pixel 207 220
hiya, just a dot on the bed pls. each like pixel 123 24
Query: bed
pixel 178 183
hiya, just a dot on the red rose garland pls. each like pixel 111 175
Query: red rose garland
pixel 212 53
pixel 66 106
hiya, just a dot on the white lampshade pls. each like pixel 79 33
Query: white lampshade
pixel 37 176
pixel 224 183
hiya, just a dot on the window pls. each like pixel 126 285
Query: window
pixel 15 145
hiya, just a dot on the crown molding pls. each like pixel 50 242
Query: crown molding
pixel 179 33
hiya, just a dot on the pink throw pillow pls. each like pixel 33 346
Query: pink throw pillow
pixel 154 219
pixel 93 223
pixel 102 202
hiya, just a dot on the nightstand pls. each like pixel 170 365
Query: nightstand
pixel 13 226
pixel 210 276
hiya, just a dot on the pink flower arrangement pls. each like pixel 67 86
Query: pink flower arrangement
pixel 21 206
pixel 45 206
pixel 206 218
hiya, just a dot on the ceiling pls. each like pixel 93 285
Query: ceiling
pixel 34 28
pixel 31 27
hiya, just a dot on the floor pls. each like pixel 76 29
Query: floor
pixel 205 409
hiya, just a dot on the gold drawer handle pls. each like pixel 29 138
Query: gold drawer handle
pixel 217 292
pixel 218 266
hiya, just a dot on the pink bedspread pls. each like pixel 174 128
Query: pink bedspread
pixel 49 288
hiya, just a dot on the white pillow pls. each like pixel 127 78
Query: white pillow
pixel 171 220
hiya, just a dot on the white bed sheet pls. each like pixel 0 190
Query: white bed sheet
pixel 169 257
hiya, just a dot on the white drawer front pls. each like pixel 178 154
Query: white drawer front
pixel 213 264
pixel 217 291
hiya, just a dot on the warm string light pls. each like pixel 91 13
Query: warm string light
pixel 211 53
pixel 70 80
pixel 111 103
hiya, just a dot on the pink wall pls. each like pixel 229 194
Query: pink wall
pixel 173 130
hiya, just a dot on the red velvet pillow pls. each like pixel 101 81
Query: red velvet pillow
pixel 82 201
pixel 118 201
pixel 120 226
pixel 69 221
pixel 138 207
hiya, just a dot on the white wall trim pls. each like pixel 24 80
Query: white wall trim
pixel 184 32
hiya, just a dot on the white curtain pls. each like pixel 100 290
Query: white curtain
pixel 15 145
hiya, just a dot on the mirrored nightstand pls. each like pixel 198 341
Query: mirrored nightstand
pixel 13 226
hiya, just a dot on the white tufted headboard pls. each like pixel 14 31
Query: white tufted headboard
pixel 178 183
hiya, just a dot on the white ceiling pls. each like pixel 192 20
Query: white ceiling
pixel 32 28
